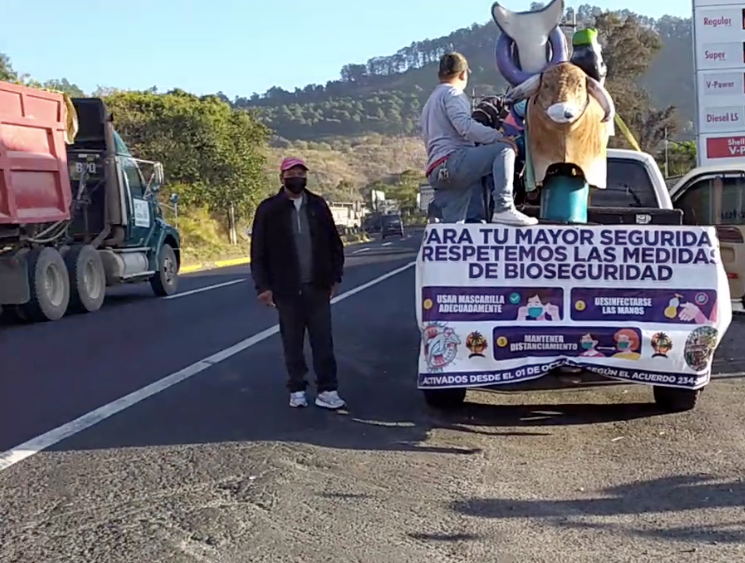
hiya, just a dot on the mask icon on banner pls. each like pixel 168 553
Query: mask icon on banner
pixel 535 311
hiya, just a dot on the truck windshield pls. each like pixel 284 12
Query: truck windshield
pixel 121 147
pixel 629 185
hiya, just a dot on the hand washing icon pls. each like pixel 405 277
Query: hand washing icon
pixel 672 307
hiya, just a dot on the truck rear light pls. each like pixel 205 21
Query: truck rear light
pixel 732 276
pixel 730 234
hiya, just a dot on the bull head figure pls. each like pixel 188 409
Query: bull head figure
pixel 569 117
pixel 529 42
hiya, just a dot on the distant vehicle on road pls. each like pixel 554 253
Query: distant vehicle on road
pixel 347 216
pixel 372 223
pixel 391 226
pixel 75 219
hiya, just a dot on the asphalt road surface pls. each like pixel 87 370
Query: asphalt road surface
pixel 217 468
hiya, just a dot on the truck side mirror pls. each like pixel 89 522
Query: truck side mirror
pixel 158 175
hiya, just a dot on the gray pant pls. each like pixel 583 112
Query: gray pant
pixel 454 194
pixel 308 311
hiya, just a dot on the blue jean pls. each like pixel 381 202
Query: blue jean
pixel 466 167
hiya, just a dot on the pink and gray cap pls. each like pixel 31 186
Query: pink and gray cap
pixel 292 162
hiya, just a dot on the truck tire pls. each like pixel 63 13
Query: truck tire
pixel 87 279
pixel 444 398
pixel 165 281
pixel 671 400
pixel 49 286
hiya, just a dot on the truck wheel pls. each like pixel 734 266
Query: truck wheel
pixel 49 284
pixel 444 398
pixel 165 281
pixel 670 399
pixel 87 279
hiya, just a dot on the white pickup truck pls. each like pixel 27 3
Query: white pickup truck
pixel 715 195
pixel 708 195
pixel 637 193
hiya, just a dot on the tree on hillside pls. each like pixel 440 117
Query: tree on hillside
pixel 6 69
pixel 629 47
pixel 63 85
pixel 214 154
pixel 680 157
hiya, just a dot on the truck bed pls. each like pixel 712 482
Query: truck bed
pixel 623 215
pixel 34 181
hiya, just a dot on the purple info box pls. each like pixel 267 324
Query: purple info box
pixel 515 342
pixel 678 306
pixel 525 304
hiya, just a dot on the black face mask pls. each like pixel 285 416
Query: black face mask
pixel 295 185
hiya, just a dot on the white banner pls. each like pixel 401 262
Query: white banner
pixel 498 304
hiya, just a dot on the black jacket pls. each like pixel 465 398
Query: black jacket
pixel 274 260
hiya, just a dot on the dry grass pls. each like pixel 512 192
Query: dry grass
pixel 204 238
pixel 357 161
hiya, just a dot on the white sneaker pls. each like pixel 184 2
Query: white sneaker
pixel 513 217
pixel 330 400
pixel 298 399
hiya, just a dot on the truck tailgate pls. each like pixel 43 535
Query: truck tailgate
pixel 34 181
pixel 623 215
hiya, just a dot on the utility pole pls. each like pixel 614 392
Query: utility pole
pixel 667 155
pixel 571 25
pixel 474 103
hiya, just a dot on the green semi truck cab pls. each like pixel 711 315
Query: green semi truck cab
pixel 94 220
pixel 121 200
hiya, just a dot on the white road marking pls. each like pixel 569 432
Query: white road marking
pixel 731 375
pixel 47 440
pixel 208 288
pixel 361 250
pixel 386 244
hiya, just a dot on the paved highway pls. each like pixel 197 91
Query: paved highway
pixel 168 438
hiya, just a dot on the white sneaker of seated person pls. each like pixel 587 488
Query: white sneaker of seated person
pixel 330 400
pixel 298 399
pixel 513 217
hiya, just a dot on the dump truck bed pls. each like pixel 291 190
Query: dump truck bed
pixel 34 180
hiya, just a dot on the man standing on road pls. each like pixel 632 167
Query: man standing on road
pixel 455 165
pixel 297 261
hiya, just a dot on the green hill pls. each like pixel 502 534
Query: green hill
pixel 385 94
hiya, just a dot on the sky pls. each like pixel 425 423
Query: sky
pixel 234 46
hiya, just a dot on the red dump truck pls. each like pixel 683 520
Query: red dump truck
pixel 76 215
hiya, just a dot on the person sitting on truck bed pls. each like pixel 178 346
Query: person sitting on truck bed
pixel 455 165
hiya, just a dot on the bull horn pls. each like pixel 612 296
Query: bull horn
pixel 598 91
pixel 525 90
pixel 530 31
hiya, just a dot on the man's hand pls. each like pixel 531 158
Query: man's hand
pixel 267 298
pixel 333 289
